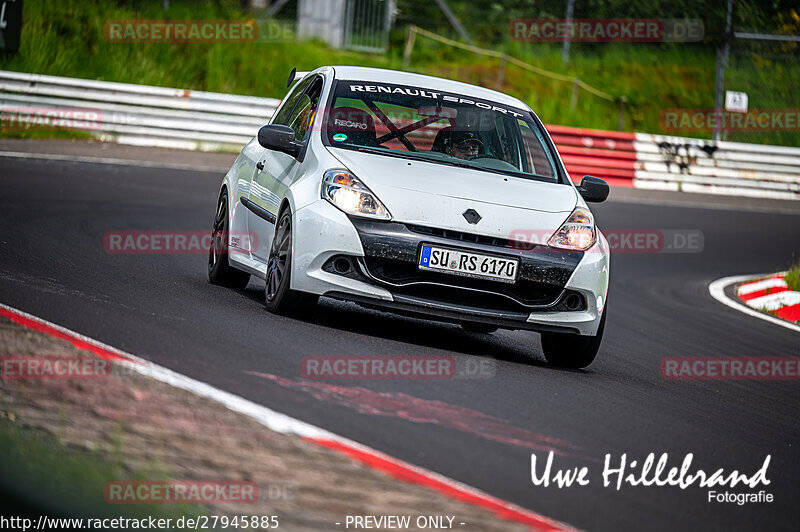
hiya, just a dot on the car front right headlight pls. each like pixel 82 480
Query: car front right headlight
pixel 349 194
pixel 578 233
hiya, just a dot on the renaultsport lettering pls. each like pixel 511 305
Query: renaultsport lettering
pixel 408 91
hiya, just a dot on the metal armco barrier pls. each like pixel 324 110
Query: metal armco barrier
pixel 141 114
pixel 176 118
pixel 662 162
pixel 610 155
pixel 693 165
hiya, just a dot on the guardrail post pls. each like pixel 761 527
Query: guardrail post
pixel 573 102
pixel 412 35
pixel 621 119
pixel 501 72
pixel 722 63
pixel 565 46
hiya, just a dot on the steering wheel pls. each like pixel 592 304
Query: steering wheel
pixel 480 156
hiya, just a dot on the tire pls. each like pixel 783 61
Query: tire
pixel 278 297
pixel 573 351
pixel 220 272
pixel 480 328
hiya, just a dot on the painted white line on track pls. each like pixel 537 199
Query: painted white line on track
pixel 288 425
pixel 110 160
pixel 717 291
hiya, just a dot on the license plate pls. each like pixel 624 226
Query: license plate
pixel 468 264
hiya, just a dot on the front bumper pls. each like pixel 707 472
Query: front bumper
pixel 385 275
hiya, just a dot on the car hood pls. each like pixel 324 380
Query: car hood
pixel 437 195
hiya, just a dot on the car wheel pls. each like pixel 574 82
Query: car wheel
pixel 220 272
pixel 570 350
pixel 481 328
pixel 279 298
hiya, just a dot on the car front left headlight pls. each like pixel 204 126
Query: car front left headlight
pixel 349 194
pixel 578 233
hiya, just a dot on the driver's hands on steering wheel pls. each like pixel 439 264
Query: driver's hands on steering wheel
pixel 481 156
pixel 466 148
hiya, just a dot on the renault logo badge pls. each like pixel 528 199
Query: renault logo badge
pixel 472 216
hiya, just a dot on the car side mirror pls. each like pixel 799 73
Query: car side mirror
pixel 279 138
pixel 593 189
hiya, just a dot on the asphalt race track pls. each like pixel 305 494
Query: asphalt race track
pixel 480 431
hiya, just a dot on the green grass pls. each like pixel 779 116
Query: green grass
pixel 70 134
pixel 66 38
pixel 637 73
pixel 792 277
pixel 53 479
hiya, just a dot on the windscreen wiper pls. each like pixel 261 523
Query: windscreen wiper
pixel 378 151
pixel 494 170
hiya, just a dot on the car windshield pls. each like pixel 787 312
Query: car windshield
pixel 438 127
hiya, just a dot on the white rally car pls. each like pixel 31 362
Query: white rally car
pixel 416 195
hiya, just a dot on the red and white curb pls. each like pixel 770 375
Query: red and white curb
pixel 285 424
pixel 771 294
pixel 755 293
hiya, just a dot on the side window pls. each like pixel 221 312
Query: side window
pixel 538 160
pixel 300 118
pixel 289 103
pixel 503 127
pixel 302 115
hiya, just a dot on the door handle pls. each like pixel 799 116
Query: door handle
pixel 260 166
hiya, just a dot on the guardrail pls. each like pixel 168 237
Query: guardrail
pixel 692 165
pixel 176 118
pixel 663 162
pixel 141 114
pixel 610 155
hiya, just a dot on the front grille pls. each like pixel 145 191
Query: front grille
pixel 391 255
pixel 404 276
pixel 468 237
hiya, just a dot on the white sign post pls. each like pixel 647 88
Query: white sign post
pixel 736 102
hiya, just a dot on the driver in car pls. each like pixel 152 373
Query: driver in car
pixel 461 144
